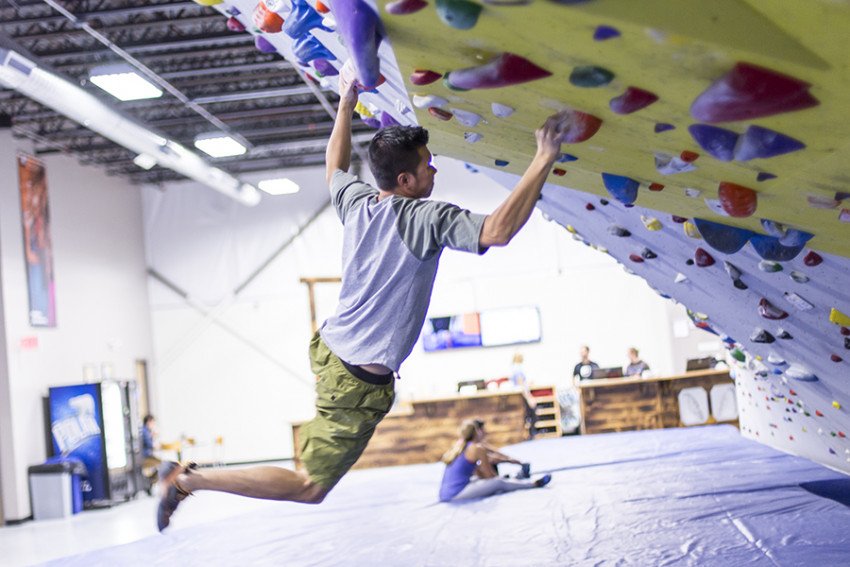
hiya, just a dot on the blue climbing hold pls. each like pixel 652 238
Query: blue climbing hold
pixel 759 142
pixel 564 158
pixel 624 189
pixel 307 48
pixel 722 237
pixel 764 176
pixel 769 248
pixel 502 162
pixel 605 32
pixel 663 127
pixel 301 19
pixel 719 142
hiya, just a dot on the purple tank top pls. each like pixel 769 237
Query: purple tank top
pixel 456 476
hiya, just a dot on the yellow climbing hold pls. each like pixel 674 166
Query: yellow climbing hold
pixel 571 229
pixel 839 318
pixel 758 357
pixel 208 2
pixel 691 229
pixel 651 223
pixel 363 111
pixel 836 405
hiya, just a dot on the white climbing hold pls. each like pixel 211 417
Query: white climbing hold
pixel 692 192
pixel 471 137
pixel 401 107
pixel 797 301
pixel 800 372
pixel 429 101
pixel 501 110
pixel 668 165
pixel 680 277
pixel 465 117
pixel 774 358
pixel 716 207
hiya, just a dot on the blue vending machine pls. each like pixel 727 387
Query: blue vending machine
pixel 92 423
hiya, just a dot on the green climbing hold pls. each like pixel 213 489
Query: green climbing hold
pixel 591 76
pixel 459 14
pixel 738 355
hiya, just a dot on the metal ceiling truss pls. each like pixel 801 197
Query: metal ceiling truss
pixel 212 78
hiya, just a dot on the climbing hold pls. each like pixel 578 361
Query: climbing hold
pixel 635 258
pixel 835 358
pixel 266 20
pixel 429 101
pixel 798 277
pixel 787 236
pixel 388 120
pixel 769 311
pixel 819 414
pixel 739 284
pixel 589 76
pixel 663 127
pixel 581 127
pixel 758 142
pixel 838 318
pixel 836 405
pixel 405 7
pixel 844 215
pixel 424 77
pixel 324 68
pixel 761 336
pixel 797 301
pixel 748 91
pixel 776 360
pixel 732 270
pixel 678 219
pixel 845 331
pixel 559 172
pixel 439 113
pixel 234 25
pixel 605 32
pixel 233 11
pixel 501 110
pixel 769 248
pixel 692 192
pixel 737 200
pixel 668 165
pixel 703 258
pixel 691 230
pixel 589 206
pixel 688 156
pixel 722 237
pixel 783 334
pixel 622 188
pixel 738 355
pixel 307 48
pixel 564 158
pixel 459 14
pixel 360 29
pixel 603 201
pixel 471 137
pixel 818 202
pixel 619 231
pixel 301 19
pixel 466 117
pixel 656 187
pixel 770 266
pixel 812 259
pixel 650 223
pixel 718 142
pixel 501 162
pixel 505 70
pixel 632 100
pixel 648 254
pixel 680 277
pixel 264 45
pixel 764 176
pixel 716 207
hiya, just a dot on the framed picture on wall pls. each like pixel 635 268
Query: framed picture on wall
pixel 454 331
pixel 38 248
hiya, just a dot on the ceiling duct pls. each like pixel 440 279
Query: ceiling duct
pixel 21 74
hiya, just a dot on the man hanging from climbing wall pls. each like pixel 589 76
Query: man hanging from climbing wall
pixel 393 239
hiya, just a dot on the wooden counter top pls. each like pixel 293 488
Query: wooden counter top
pixel 602 382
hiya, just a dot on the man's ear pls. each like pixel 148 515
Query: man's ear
pixel 403 179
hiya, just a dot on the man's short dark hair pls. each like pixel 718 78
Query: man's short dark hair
pixel 147 419
pixel 395 150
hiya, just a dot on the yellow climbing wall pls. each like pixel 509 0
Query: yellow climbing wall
pixel 675 49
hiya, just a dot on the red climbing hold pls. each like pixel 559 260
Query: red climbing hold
pixel 845 331
pixel 688 156
pixel 841 434
pixel 737 200
pixel 835 358
pixel 234 25
pixel 505 70
pixel 792 392
pixel 812 259
pixel 559 172
pixel 582 127
pixel 636 258
pixel 405 7
pixel 818 413
pixel 749 91
pixel 703 258
pixel 440 113
pixel 770 311
pixel 656 186
pixel 424 77
pixel 321 8
pixel 632 100
pixel 590 207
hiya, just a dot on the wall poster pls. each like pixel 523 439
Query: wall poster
pixel 38 249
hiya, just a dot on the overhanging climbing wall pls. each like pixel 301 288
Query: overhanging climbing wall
pixel 707 154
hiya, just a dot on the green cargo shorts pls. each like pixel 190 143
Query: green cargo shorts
pixel 347 412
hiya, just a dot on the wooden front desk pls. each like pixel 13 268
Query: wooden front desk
pixel 421 431
pixel 626 404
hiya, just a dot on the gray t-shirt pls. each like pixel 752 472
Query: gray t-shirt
pixel 391 249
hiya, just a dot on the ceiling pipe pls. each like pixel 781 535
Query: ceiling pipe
pixel 23 75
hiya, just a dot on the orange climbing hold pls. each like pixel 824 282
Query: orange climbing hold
pixel 559 172
pixel 688 156
pixel 656 187
pixel 266 20
pixel 737 200
pixel 440 114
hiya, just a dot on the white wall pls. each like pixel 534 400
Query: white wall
pixel 101 299
pixel 247 376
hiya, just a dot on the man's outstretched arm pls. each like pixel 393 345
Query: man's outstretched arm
pixel 338 153
pixel 509 217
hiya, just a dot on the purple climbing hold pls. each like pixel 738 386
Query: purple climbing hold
pixel 719 142
pixel 388 120
pixel 307 48
pixel 758 142
pixel 748 91
pixel 324 68
pixel 405 7
pixel 761 336
pixel 703 259
pixel 663 127
pixel 765 176
pixel 361 31
pixel 678 219
pixel 605 32
pixel 769 248
pixel 723 238
pixel 505 70
pixel 372 122
pixel 564 158
pixel 632 100
pixel 624 189
pixel 233 11
pixel 264 45
pixel 301 19
pixel 770 311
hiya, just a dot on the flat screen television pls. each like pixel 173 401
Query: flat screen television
pixel 493 327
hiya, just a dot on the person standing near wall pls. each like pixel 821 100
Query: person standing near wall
pixel 393 239
pixel 636 366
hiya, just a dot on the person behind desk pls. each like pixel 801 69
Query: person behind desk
pixel 471 468
pixel 636 366
pixel 150 462
pixel 584 369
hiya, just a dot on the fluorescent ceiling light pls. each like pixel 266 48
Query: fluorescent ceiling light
pixel 282 186
pixel 219 145
pixel 122 82
pixel 145 161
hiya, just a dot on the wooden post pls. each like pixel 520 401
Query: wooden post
pixel 314 325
